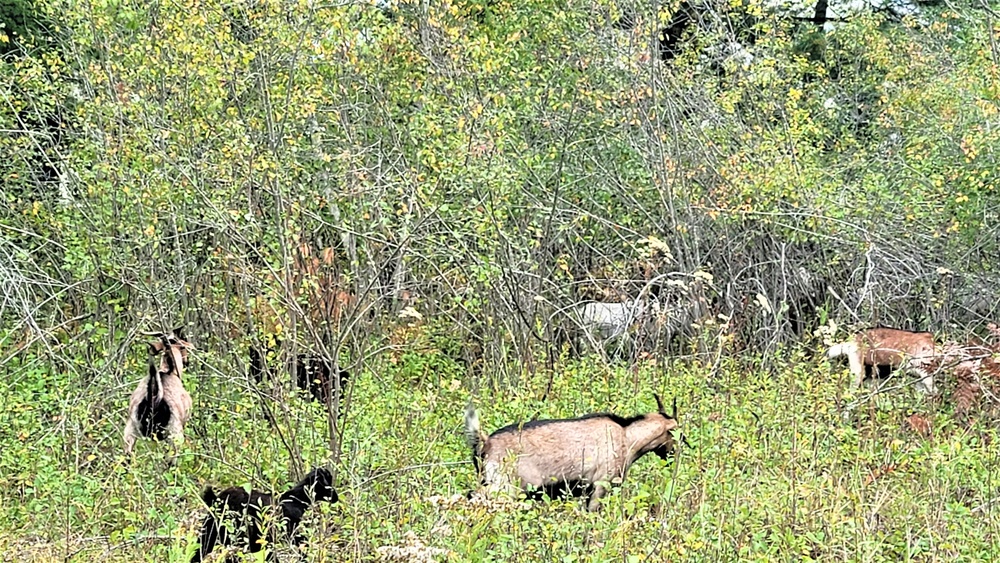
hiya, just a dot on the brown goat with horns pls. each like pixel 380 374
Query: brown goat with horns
pixel 578 456
pixel 160 405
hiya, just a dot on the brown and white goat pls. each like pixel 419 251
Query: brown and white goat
pixel 160 405
pixel 579 456
pixel 876 352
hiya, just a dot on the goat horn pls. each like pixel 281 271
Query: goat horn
pixel 674 415
pixel 659 403
pixel 155 334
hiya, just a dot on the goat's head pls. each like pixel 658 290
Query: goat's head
pixel 176 347
pixel 321 482
pixel 669 422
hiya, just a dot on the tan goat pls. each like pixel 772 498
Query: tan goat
pixel 579 456
pixel 160 405
pixel 876 352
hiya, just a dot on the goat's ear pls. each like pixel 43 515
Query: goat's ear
pixel 659 403
pixel 155 347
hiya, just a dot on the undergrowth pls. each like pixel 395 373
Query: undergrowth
pixel 781 465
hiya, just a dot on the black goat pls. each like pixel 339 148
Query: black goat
pixel 312 374
pixel 252 519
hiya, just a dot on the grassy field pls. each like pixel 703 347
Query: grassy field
pixel 777 467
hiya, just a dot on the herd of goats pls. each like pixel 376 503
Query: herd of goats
pixel 577 457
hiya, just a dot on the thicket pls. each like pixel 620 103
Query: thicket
pixel 425 189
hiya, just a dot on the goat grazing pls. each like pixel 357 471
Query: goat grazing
pixel 579 456
pixel 602 324
pixel 249 519
pixel 667 307
pixel 887 349
pixel 160 406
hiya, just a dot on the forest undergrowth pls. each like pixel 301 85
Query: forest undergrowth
pixel 776 464
pixel 439 197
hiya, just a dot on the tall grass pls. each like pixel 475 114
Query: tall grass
pixel 777 467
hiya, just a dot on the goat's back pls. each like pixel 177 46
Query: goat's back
pixel 607 319
pixel 889 346
pixel 152 418
pixel 546 450
pixel 237 500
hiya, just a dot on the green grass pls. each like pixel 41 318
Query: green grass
pixel 775 469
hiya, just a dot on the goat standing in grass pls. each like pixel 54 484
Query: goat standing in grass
pixel 876 352
pixel 579 456
pixel 159 406
pixel 249 519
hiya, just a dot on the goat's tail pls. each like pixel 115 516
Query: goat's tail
pixel 208 496
pixel 474 435
pixel 154 383
pixel 848 349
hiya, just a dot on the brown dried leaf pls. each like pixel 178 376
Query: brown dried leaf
pixel 919 424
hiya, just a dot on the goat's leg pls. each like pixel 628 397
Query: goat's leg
pixel 493 477
pixel 925 378
pixel 129 436
pixel 927 383
pixel 206 542
pixel 857 367
pixel 175 431
pixel 594 504
pixel 859 376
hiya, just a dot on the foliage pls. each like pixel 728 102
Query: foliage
pixel 775 468
pixel 425 192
